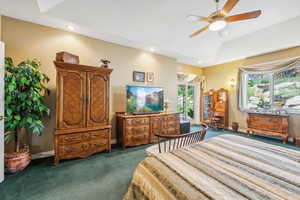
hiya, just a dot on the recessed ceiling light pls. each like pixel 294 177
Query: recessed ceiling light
pixel 71 28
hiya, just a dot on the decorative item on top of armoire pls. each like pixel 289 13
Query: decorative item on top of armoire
pixel 269 124
pixel 82 111
pixel 134 130
pixel 67 57
pixel 105 63
pixel 216 102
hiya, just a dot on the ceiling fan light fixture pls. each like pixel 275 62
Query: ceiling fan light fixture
pixel 217 25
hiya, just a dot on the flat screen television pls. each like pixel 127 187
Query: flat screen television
pixel 144 99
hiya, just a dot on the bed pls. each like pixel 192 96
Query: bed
pixel 225 167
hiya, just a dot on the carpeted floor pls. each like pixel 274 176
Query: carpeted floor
pixel 102 176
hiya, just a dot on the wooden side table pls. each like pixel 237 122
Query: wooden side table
pixel 268 124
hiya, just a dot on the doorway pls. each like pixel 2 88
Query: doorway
pixel 186 101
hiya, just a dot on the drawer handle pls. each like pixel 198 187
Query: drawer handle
pixel 85 146
pixel 70 138
pixel 70 150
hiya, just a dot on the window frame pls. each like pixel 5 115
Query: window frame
pixel 245 80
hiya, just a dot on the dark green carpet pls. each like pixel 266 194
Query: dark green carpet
pixel 102 176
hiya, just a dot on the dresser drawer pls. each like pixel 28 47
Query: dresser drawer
pixel 134 140
pixel 141 130
pixel 99 144
pixel 137 121
pixel 171 118
pixel 100 134
pixel 172 123
pixel 86 136
pixel 70 138
pixel 68 150
pixel 137 130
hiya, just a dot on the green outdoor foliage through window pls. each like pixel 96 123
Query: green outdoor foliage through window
pixel 287 88
pixel 185 98
pixel 279 89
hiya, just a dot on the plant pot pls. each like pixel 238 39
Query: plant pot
pixel 235 126
pixel 16 161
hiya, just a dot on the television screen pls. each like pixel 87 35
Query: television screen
pixel 144 99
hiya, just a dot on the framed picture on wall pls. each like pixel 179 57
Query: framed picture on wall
pixel 150 76
pixel 138 76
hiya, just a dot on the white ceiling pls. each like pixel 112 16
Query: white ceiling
pixel 162 25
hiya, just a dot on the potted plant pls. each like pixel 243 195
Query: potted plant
pixel 25 91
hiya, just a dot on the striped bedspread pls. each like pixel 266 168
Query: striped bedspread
pixel 225 167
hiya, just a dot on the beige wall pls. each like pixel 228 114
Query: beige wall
pixel 189 69
pixel 0 27
pixel 25 40
pixel 218 76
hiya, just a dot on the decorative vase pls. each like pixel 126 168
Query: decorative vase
pixel 16 161
pixel 105 63
pixel 235 126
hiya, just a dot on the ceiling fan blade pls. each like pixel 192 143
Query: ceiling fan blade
pixel 243 16
pixel 199 31
pixel 198 18
pixel 229 5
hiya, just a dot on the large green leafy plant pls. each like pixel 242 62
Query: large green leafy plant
pixel 25 92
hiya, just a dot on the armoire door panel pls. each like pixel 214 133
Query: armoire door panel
pixel 72 106
pixel 97 99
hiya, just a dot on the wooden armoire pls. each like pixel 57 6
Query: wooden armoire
pixel 82 111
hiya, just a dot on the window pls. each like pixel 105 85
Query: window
pixel 287 88
pixel 280 89
pixel 259 90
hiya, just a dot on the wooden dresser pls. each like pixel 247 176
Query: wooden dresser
pixel 268 124
pixel 82 111
pixel 134 130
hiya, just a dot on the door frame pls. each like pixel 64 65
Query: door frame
pixel 1 111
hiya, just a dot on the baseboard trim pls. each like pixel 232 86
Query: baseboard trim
pixel 40 155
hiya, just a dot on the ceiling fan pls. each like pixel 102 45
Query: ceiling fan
pixel 219 19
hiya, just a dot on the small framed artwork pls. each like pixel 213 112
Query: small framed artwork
pixel 138 76
pixel 150 76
